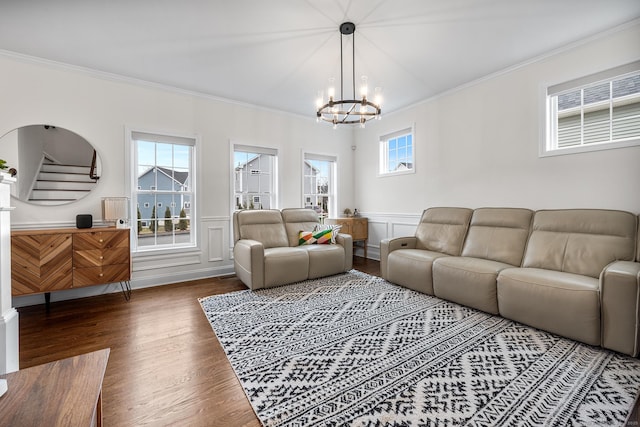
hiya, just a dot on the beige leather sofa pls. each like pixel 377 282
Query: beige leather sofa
pixel 573 272
pixel 266 251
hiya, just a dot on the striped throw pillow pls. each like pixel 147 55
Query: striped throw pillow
pixel 314 237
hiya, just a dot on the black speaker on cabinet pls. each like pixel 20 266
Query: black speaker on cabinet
pixel 84 221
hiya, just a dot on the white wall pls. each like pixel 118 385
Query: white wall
pixel 478 146
pixel 475 146
pixel 98 108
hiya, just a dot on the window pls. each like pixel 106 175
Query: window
pixel 396 153
pixel 597 112
pixel 319 183
pixel 165 166
pixel 254 177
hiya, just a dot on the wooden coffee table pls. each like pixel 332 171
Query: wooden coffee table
pixel 66 392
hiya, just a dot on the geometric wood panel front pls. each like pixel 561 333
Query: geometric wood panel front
pixel 99 275
pixel 101 240
pixel 41 263
pixel 100 257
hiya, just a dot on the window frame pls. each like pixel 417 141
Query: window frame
pixel 192 140
pixel 332 187
pixel 548 145
pixel 383 152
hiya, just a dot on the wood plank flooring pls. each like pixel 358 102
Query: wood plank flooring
pixel 166 366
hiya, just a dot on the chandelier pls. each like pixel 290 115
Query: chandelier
pixel 348 111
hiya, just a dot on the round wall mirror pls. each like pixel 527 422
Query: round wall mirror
pixel 52 165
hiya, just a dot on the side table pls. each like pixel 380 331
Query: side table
pixel 66 392
pixel 357 227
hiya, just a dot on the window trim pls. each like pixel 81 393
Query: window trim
pixel 548 117
pixel 382 147
pixel 194 140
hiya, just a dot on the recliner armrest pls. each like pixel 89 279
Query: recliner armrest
pixel 248 259
pixel 389 245
pixel 347 243
pixel 619 306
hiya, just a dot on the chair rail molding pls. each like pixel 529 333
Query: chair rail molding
pixel 9 358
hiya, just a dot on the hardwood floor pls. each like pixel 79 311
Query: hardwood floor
pixel 166 366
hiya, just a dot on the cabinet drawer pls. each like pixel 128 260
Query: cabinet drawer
pixel 100 257
pixel 99 275
pixel 101 240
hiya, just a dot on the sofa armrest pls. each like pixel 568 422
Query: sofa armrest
pixel 389 245
pixel 619 304
pixel 347 243
pixel 248 260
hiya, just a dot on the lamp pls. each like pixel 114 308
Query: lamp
pixel 348 111
pixel 115 210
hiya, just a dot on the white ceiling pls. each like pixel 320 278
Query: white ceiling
pixel 279 53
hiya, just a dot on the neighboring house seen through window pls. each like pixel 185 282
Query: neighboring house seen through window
pixel 319 184
pixel 397 153
pixel 164 171
pixel 596 112
pixel 254 177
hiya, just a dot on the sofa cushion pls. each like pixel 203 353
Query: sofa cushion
pixel 411 268
pixel 443 229
pixel 325 260
pixel 264 226
pixel 498 234
pixel 297 220
pixel 284 265
pixel 563 303
pixel 580 241
pixel 468 281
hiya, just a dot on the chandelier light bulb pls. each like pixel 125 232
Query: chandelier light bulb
pixel 377 98
pixel 363 87
pixel 331 91
pixel 320 99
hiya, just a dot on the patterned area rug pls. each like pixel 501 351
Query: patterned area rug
pixel 355 350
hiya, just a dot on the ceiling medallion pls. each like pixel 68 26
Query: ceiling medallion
pixel 348 111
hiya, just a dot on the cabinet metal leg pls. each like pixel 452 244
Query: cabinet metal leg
pixel 47 300
pixel 126 289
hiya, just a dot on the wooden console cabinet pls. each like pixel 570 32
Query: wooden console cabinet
pixel 49 260
pixel 357 227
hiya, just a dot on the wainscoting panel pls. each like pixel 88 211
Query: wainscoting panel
pixel 401 230
pixel 378 230
pixel 216 243
pixel 388 225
